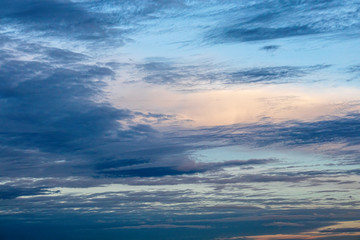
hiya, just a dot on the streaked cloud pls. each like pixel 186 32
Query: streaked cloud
pixel 259 21
pixel 153 119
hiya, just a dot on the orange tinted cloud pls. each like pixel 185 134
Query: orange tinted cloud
pixel 230 106
pixel 340 229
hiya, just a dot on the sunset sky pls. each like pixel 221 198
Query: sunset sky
pixel 179 119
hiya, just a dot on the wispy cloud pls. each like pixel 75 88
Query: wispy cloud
pixel 219 128
pixel 204 76
pixel 283 74
pixel 281 19
pixel 82 20
pixel 294 133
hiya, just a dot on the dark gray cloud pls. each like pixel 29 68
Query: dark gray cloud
pixel 7 192
pixel 144 172
pixel 185 167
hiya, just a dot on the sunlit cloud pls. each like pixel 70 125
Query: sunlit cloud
pixel 181 119
pixel 342 229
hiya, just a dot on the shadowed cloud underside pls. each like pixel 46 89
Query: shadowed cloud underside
pixel 181 119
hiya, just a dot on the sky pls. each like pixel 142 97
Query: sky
pixel 179 119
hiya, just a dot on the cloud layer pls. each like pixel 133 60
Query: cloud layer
pixel 104 107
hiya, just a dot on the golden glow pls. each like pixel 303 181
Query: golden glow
pixel 230 106
pixel 340 229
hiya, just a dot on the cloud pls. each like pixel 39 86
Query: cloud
pixel 53 120
pixel 283 74
pixel 289 133
pixel 285 224
pixel 259 20
pixel 341 129
pixel 232 207
pixel 142 169
pixel 334 231
pixel 272 178
pixel 174 74
pixel 354 69
pixel 270 48
pixel 61 18
pixel 340 230
pixel 64 56
pixel 234 33
pixel 160 226
pixel 75 166
pixel 144 172
pixel 7 192
pixel 95 21
pixel 192 76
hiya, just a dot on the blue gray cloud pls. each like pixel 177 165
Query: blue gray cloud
pixel 100 21
pixel 188 167
pixel 8 192
pixel 52 119
pixel 270 48
pixel 189 76
pixel 275 19
pixel 296 133
pixel 244 221
pixel 282 74
pixel 72 165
